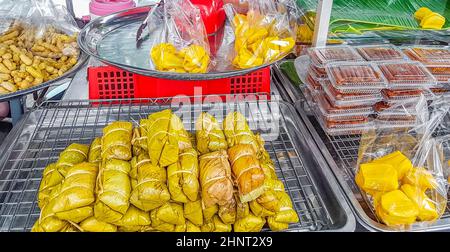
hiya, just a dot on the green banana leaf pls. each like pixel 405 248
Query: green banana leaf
pixel 363 15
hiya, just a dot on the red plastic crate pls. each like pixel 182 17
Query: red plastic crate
pixel 107 82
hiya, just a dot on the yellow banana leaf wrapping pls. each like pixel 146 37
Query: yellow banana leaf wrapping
pixel 248 174
pixel 237 131
pixel 50 178
pixel 95 151
pixel 72 155
pixel 209 134
pixel 265 160
pixel 114 190
pixel 193 212
pixel 285 214
pixel 116 141
pixel 215 179
pixel 183 177
pixel 162 141
pixel 183 137
pixel 77 193
pixel 137 162
pixel 135 229
pixel 227 213
pixel 216 225
pixel 140 138
pixel 168 218
pixel 36 228
pixel 250 223
pixel 48 222
pixel 192 228
pixel 151 191
pixel 209 212
pixel 242 209
pixel 92 224
pixel 135 219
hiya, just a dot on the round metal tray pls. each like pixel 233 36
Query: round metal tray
pixel 112 40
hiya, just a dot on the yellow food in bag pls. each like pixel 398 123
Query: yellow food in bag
pixel 377 177
pixel 427 208
pixel 421 178
pixel 395 208
pixel 399 161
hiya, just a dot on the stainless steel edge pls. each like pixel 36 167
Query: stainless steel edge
pixel 357 210
pixel 138 14
pixel 350 223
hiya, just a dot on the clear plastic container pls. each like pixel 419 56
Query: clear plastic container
pixel 381 53
pixel 391 95
pixel 406 75
pixel 350 126
pixel 429 54
pixel 318 71
pixel 440 72
pixel 385 108
pixel 356 76
pixel 440 91
pixel 338 98
pixel 312 82
pixel 342 112
pixel 324 55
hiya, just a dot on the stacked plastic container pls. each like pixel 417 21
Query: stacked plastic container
pixel 358 88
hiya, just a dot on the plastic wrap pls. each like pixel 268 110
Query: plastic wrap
pixel 264 34
pixel 406 75
pixel 37 43
pixel 381 53
pixel 355 76
pixel 402 171
pixel 179 42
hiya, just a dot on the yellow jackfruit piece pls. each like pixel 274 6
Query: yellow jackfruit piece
pixel 395 208
pixel 377 177
pixel 421 178
pixel 427 208
pixel 421 13
pixel 399 161
pixel 433 21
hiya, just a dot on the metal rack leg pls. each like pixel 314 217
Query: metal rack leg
pixel 16 109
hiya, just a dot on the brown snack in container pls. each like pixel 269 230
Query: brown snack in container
pixel 313 82
pixel 330 123
pixel 332 54
pixel 404 71
pixel 380 53
pixel 355 74
pixel 392 94
pixel 430 54
pixel 320 72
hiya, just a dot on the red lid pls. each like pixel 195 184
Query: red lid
pixel 213 14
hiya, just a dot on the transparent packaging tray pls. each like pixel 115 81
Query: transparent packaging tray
pixel 440 72
pixel 339 99
pixel 330 112
pixel 429 54
pixel 341 153
pixel 406 75
pixel 355 76
pixel 317 72
pixel 43 133
pixel 312 82
pixel 381 52
pixel 321 56
pixel 401 95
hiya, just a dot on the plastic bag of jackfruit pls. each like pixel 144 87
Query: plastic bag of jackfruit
pixel 401 169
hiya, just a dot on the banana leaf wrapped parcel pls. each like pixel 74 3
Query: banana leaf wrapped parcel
pixel 242 209
pixel 227 213
pixel 50 178
pixel 193 212
pixel 216 225
pixel 250 223
pixel 134 219
pixel 169 217
pixel 48 222
pixel 248 174
pixel 162 141
pixel 72 155
pixel 113 190
pixel 209 135
pixel 150 191
pixel 140 138
pixel 209 212
pixel 215 179
pixel 74 202
pixel 183 177
pixel 138 161
pixel 285 215
pixel 116 141
pixel 237 131
pixel 92 224
pixel 268 203
pixel 192 228
pixel 95 151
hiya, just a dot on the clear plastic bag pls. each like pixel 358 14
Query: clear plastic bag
pixel 37 43
pixel 265 34
pixel 179 41
pixel 401 170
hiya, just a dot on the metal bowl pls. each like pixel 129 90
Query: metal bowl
pixel 112 40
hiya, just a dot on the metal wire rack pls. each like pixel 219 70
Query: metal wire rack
pixel 49 129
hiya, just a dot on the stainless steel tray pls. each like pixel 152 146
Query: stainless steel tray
pixel 111 39
pixel 41 135
pixel 341 153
